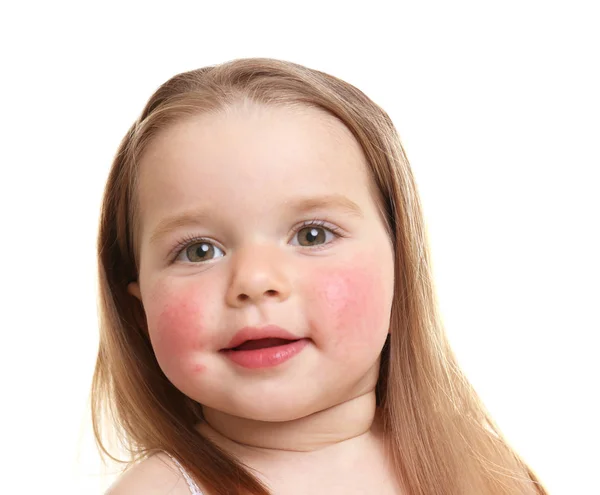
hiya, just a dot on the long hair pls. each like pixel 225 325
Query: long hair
pixel 440 437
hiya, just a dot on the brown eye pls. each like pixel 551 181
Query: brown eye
pixel 200 251
pixel 312 235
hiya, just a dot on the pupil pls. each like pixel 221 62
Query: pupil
pixel 202 249
pixel 198 251
pixel 313 235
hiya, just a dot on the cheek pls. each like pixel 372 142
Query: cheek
pixel 351 307
pixel 176 324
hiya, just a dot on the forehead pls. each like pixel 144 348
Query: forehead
pixel 248 158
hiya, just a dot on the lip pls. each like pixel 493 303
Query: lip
pixel 266 357
pixel 256 333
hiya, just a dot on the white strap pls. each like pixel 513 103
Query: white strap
pixel 194 490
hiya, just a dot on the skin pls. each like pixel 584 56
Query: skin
pixel 337 292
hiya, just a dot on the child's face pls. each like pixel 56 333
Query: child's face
pixel 234 179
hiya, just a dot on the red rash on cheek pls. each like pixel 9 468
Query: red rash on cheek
pixel 350 305
pixel 197 367
pixel 176 333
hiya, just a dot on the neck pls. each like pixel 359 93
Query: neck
pixel 338 424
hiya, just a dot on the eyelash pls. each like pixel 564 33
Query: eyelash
pixel 192 239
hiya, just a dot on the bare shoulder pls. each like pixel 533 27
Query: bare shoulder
pixel 156 475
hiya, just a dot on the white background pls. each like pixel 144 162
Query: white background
pixel 498 107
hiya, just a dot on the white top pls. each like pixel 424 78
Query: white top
pixel 194 490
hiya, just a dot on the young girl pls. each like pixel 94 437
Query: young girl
pixel 268 319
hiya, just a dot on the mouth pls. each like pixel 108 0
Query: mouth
pixel 267 336
pixel 251 345
pixel 266 352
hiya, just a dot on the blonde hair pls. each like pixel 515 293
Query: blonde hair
pixel 440 437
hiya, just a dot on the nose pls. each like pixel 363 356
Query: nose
pixel 259 274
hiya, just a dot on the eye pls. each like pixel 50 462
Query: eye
pixel 315 234
pixel 198 252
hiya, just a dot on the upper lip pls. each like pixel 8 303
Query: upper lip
pixel 256 333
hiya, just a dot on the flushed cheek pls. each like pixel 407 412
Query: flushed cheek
pixel 176 324
pixel 351 308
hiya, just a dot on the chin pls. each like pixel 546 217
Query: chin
pixel 276 411
pixel 275 407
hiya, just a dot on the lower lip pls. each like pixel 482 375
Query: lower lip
pixel 267 357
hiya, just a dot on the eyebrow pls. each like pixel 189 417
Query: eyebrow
pixel 296 206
